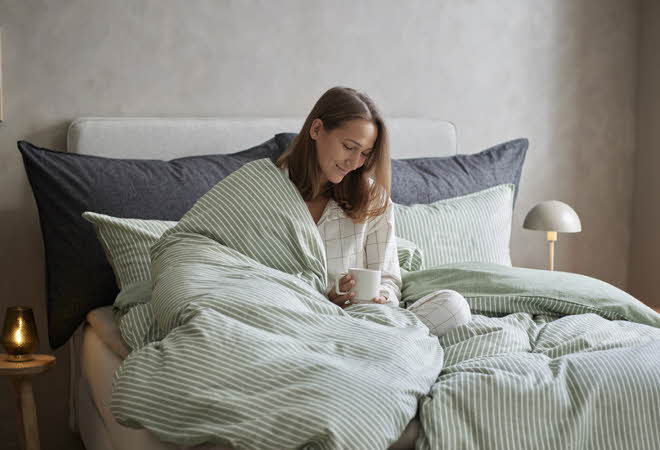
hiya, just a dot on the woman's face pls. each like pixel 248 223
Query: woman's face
pixel 343 149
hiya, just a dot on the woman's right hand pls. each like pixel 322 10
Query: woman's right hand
pixel 345 283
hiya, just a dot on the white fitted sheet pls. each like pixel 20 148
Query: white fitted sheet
pixel 101 320
pixel 100 355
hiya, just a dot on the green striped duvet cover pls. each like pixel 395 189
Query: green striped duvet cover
pixel 551 360
pixel 234 343
pixel 251 354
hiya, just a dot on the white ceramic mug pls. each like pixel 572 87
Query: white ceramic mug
pixel 367 284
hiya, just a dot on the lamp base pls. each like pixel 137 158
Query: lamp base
pixel 20 358
pixel 552 237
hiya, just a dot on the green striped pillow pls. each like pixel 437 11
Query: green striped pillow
pixel 474 227
pixel 126 243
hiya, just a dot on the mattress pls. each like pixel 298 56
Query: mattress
pixel 101 352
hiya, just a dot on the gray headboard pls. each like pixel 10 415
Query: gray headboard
pixel 168 138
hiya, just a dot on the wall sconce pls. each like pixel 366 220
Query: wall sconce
pixel 19 334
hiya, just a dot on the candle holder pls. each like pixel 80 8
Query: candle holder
pixel 19 334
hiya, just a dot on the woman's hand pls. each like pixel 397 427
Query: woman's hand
pixel 345 283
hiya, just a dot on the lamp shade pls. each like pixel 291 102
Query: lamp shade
pixel 553 215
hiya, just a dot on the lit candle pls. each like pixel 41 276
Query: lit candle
pixel 19 336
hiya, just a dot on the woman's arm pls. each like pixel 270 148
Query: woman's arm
pixel 380 251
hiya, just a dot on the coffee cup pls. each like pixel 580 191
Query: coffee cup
pixel 367 284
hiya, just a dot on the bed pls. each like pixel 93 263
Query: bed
pixel 528 349
pixel 97 348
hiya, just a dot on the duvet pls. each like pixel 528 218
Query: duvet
pixel 238 345
pixel 234 343
pixel 550 360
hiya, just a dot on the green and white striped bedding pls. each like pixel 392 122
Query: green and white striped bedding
pixel 573 364
pixel 409 254
pixel 253 355
pixel 473 227
pixel 238 346
pixel 126 243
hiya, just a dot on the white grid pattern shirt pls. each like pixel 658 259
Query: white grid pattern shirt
pixel 368 245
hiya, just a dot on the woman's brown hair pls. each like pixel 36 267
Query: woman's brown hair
pixel 355 194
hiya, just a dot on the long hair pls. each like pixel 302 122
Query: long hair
pixel 358 196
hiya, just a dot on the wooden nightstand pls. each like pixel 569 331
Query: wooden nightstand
pixel 26 411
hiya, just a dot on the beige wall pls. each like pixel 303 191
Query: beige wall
pixel 643 279
pixel 559 72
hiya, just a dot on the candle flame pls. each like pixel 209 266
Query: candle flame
pixel 18 333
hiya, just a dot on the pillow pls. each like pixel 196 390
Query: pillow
pixel 78 276
pixel 427 180
pixel 126 243
pixel 473 227
pixel 410 256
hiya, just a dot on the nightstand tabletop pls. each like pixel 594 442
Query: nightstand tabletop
pixel 40 363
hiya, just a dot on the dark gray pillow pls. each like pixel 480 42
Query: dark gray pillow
pixel 78 276
pixel 427 180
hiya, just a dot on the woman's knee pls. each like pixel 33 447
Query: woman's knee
pixel 458 306
pixel 442 310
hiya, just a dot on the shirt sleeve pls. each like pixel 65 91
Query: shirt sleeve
pixel 381 254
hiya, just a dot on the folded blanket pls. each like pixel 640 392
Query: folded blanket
pixel 247 350
pixel 574 363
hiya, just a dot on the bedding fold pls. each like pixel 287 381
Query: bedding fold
pixel 494 289
pixel 252 354
pixel 551 360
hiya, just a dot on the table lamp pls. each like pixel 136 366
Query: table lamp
pixel 553 217
pixel 19 334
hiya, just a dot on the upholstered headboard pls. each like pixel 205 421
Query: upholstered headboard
pixel 168 138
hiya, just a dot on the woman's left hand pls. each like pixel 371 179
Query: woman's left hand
pixel 380 300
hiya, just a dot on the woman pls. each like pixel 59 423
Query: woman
pixel 340 163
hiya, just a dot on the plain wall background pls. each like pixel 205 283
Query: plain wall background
pixel 561 73
pixel 643 278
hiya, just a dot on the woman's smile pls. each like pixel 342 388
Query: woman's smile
pixel 343 171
